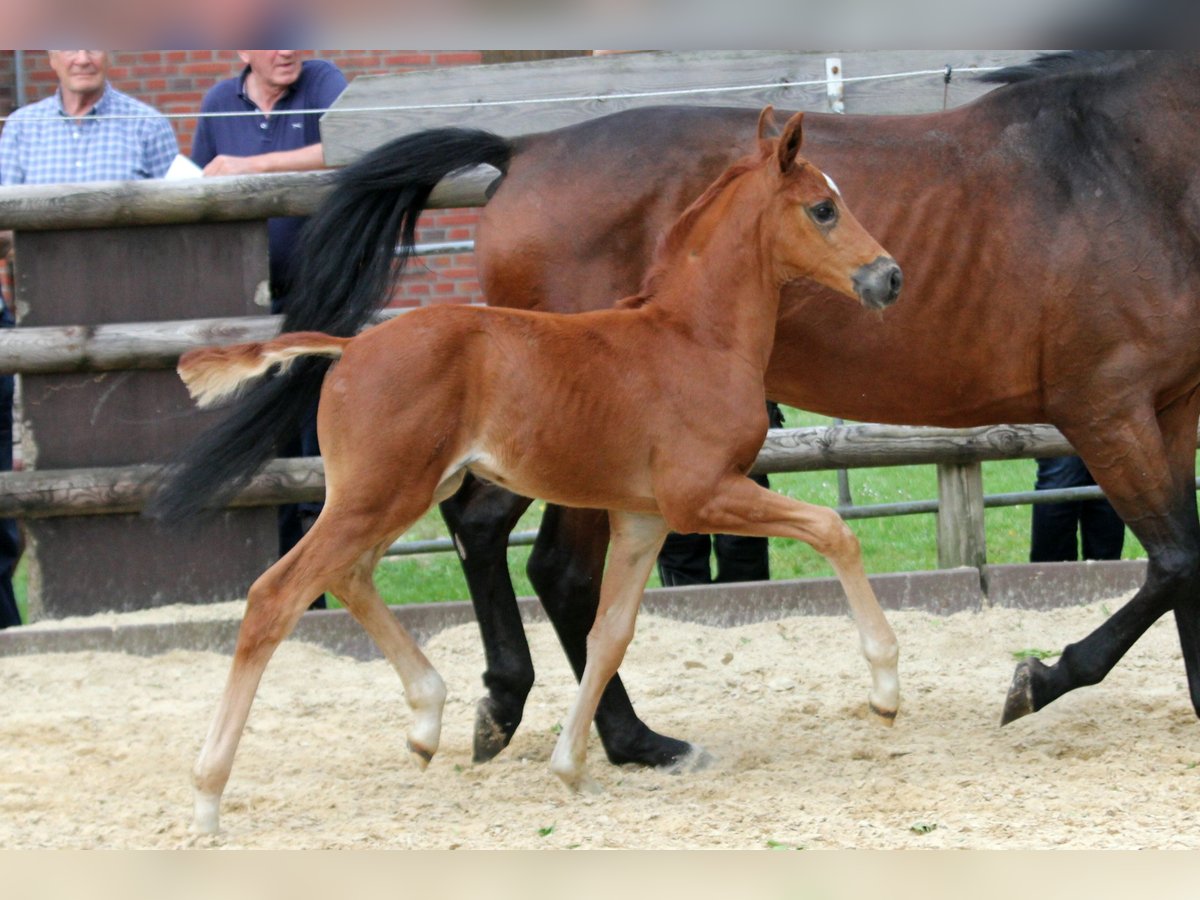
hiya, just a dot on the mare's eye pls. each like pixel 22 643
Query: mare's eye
pixel 824 213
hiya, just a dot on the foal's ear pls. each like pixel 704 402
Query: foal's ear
pixel 766 123
pixel 789 142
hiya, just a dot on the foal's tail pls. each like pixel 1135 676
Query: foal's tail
pixel 216 373
pixel 347 264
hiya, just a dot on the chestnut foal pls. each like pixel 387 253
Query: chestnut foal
pixel 652 410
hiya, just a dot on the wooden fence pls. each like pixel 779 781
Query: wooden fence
pixel 48 219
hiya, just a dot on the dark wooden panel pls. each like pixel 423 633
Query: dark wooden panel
pixel 83 564
pixel 139 274
pixel 85 277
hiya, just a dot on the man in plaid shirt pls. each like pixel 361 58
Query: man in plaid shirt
pixel 87 131
pixel 70 136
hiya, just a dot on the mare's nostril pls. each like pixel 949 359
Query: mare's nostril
pixel 897 281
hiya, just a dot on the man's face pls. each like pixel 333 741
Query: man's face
pixel 80 71
pixel 276 68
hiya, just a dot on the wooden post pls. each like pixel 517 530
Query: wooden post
pixel 83 564
pixel 960 532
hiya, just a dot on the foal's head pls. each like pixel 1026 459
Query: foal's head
pixel 809 230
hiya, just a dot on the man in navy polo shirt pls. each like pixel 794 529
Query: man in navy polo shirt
pixel 273 83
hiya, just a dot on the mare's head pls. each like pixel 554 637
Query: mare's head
pixel 811 232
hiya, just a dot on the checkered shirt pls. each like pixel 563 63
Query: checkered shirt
pixel 40 144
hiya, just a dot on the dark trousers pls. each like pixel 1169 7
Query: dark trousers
pixel 296 518
pixel 10 537
pixel 684 558
pixel 1057 526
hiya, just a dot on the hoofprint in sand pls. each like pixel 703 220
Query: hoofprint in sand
pixel 99 746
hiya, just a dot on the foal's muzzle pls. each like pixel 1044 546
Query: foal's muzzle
pixel 878 283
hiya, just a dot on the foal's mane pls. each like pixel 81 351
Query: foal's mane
pixel 673 238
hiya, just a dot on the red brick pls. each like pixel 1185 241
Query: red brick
pixel 408 59
pixel 207 68
pixel 459 58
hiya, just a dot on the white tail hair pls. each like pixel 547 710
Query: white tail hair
pixel 217 373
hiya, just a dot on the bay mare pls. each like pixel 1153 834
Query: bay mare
pixel 1048 233
pixel 666 415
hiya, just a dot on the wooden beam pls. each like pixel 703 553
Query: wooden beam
pixel 129 345
pixel 109 204
pixel 375 109
pixel 32 494
pixel 859 446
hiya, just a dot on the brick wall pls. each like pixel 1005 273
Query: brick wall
pixel 174 82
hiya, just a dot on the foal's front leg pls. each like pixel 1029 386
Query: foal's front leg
pixel 739 506
pixel 633 548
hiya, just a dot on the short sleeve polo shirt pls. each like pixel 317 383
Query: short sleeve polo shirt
pixel 320 83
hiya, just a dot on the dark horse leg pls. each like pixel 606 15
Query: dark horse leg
pixel 565 568
pixel 480 517
pixel 1147 468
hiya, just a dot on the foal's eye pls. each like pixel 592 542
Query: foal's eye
pixel 824 213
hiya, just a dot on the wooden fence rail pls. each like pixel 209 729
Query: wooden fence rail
pixel 37 494
pixel 111 204
pixel 129 345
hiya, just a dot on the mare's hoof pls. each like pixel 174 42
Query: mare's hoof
pixel 883 716
pixel 1020 694
pixel 491 734
pixel 696 759
pixel 653 750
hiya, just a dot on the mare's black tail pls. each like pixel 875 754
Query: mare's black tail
pixel 346 267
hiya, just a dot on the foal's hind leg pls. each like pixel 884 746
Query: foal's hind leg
pixel 634 545
pixel 739 506
pixel 275 603
pixel 423 687
pixel 333 555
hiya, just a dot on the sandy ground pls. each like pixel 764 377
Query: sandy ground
pixel 98 747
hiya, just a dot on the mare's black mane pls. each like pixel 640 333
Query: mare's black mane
pixel 1064 63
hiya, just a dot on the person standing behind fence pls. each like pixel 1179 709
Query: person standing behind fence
pixel 86 131
pixel 273 83
pixel 1062 530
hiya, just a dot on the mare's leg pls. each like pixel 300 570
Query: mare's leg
pixel 566 569
pixel 635 542
pixel 480 517
pixel 1146 465
pixel 739 506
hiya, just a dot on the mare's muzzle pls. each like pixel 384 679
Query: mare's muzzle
pixel 878 283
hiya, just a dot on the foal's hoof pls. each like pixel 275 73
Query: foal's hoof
pixel 1020 694
pixel 421 756
pixel 206 813
pixel 885 717
pixel 492 733
pixel 580 782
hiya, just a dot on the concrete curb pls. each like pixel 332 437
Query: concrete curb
pixel 1040 586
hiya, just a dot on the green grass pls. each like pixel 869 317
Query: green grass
pixel 894 544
